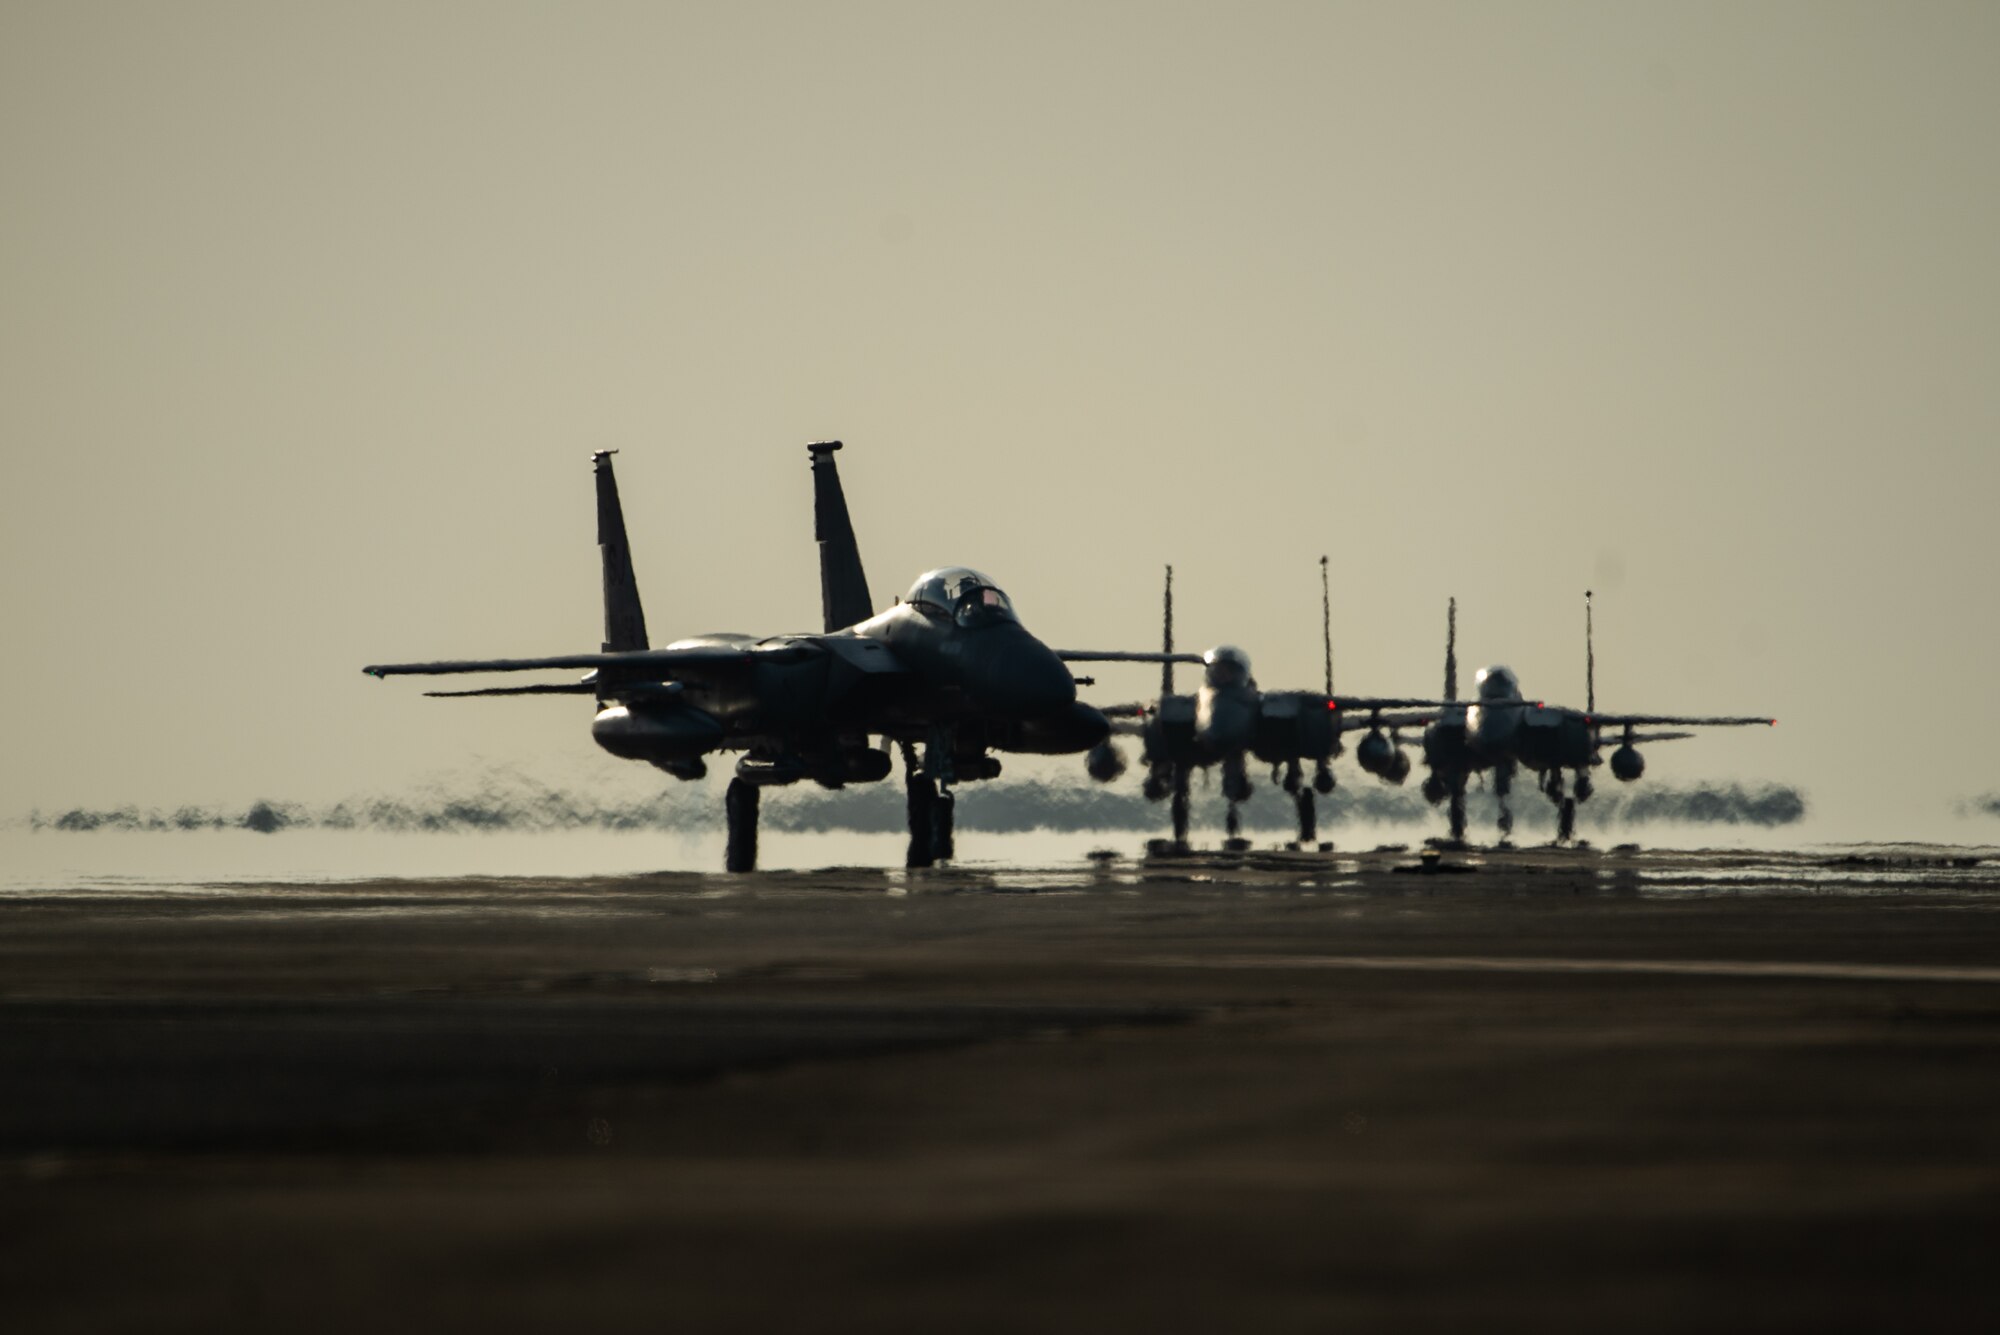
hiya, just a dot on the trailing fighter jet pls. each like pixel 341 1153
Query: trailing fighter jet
pixel 1502 731
pixel 949 668
pixel 1229 720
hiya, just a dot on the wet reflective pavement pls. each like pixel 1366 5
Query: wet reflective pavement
pixel 1288 1091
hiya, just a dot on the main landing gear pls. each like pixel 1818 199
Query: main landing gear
pixel 932 811
pixel 1179 808
pixel 1304 803
pixel 1565 804
pixel 1235 788
pixel 1448 785
pixel 740 804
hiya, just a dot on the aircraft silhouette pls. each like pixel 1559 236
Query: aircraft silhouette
pixel 949 668
pixel 1229 720
pixel 1503 732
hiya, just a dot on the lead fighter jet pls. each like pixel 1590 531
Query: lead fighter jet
pixel 949 669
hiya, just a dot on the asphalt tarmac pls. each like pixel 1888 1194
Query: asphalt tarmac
pixel 1547 1090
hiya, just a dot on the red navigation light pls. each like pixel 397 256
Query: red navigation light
pixel 1333 704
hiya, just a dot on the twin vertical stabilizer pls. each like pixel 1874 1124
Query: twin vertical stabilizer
pixel 624 619
pixel 843 588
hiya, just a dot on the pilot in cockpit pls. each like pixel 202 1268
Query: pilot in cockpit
pixel 968 597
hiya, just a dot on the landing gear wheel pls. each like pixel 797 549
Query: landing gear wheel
pixel 1233 825
pixel 1566 822
pixel 739 804
pixel 1456 811
pixel 1308 812
pixel 1180 807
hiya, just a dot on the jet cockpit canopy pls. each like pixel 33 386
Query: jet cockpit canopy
pixel 1226 665
pixel 1497 683
pixel 966 596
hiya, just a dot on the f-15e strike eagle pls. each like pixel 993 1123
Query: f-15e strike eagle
pixel 950 669
pixel 1502 731
pixel 1229 719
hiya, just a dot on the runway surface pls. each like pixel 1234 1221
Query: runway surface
pixel 1536 1089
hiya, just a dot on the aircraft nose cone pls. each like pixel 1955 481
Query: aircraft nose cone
pixel 1226 719
pixel 1019 676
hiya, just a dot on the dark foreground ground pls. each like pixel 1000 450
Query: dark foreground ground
pixel 1564 1091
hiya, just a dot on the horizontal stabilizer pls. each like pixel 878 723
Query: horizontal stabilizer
pixel 639 665
pixel 566 688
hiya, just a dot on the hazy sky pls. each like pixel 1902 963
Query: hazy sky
pixel 310 316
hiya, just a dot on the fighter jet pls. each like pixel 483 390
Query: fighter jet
pixel 949 668
pixel 1502 731
pixel 1229 720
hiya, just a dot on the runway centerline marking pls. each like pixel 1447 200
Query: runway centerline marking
pixel 1886 973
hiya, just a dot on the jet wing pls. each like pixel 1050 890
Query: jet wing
pixel 1673 721
pixel 1356 722
pixel 1372 702
pixel 1123 656
pixel 563 688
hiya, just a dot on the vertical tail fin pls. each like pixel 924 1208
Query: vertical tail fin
pixel 1451 651
pixel 624 619
pixel 1167 639
pixel 843 588
pixel 1326 623
pixel 1589 660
